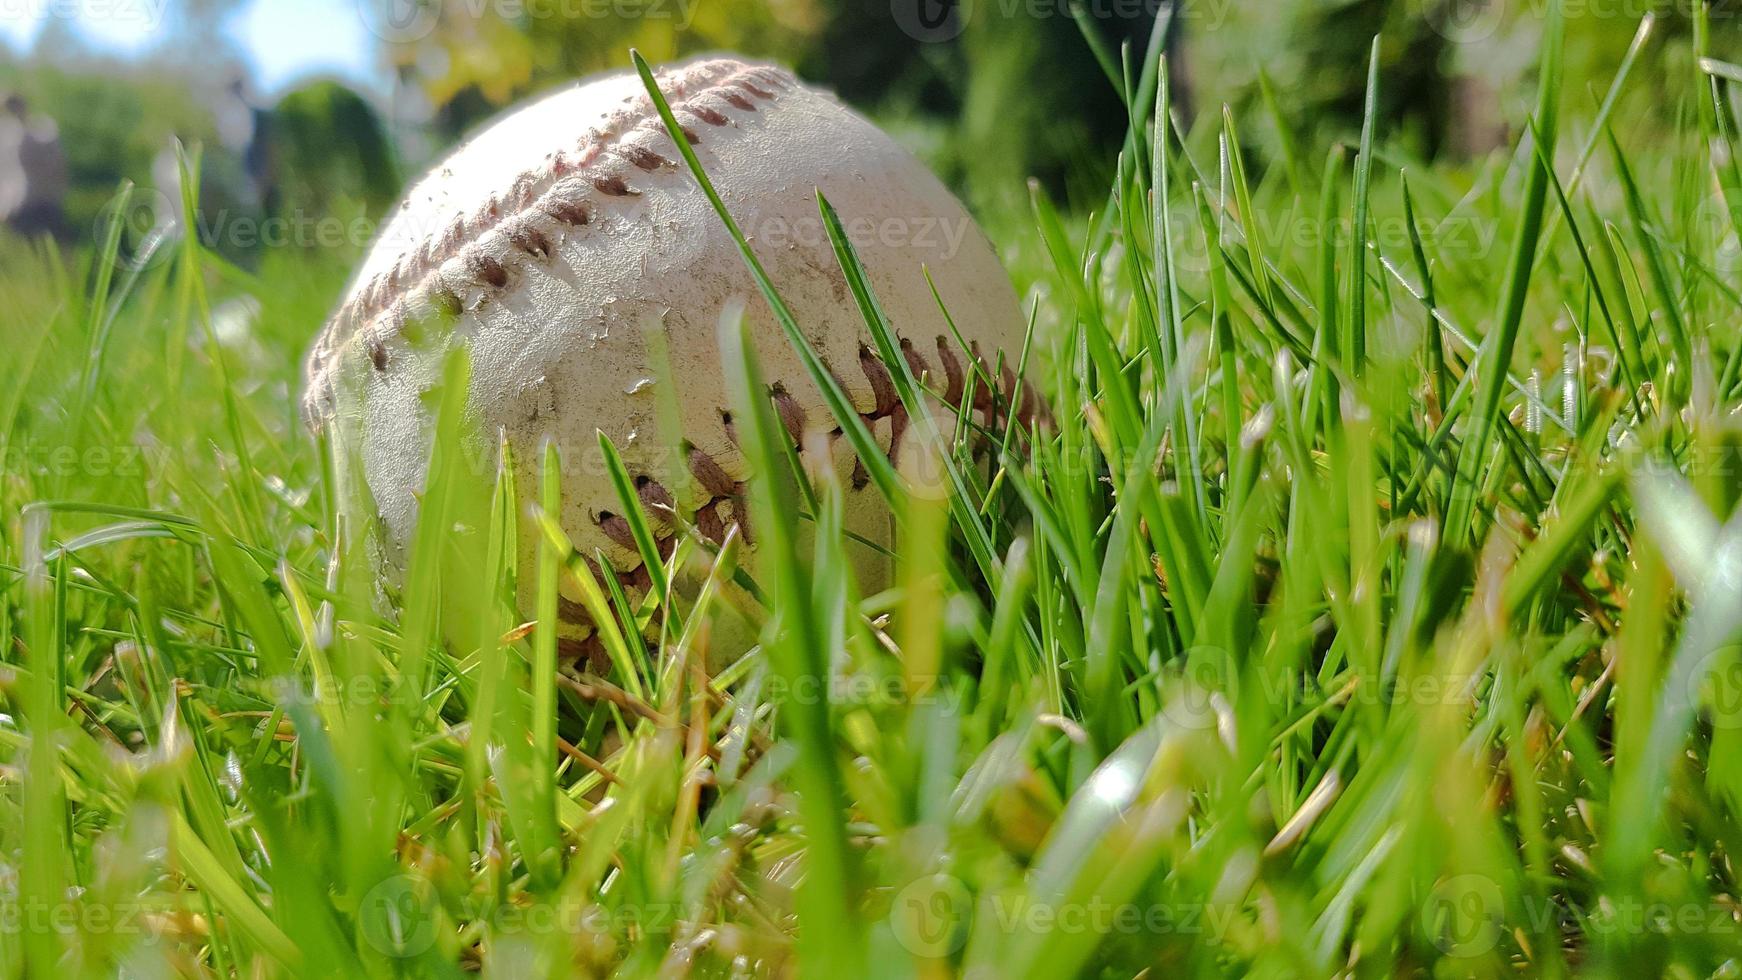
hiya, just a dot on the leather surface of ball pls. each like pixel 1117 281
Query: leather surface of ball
pixel 554 242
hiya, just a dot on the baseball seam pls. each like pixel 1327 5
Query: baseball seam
pixel 712 476
pixel 724 490
pixel 557 199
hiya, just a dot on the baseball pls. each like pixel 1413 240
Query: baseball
pixel 556 240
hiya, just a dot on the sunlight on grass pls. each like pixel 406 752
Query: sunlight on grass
pixel 1366 603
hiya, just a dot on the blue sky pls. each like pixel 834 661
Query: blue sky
pixel 283 40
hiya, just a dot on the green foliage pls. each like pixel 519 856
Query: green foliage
pixel 1368 605
pixel 331 151
pixel 489 58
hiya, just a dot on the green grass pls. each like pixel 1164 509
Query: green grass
pixel 1371 605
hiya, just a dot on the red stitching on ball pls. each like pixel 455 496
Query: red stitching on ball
pixel 379 303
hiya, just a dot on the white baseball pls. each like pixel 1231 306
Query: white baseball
pixel 554 241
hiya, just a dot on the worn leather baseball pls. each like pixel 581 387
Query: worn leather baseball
pixel 553 242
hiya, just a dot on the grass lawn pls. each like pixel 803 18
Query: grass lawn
pixel 1370 607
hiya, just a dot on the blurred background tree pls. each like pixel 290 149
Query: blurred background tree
pixel 1013 92
pixel 467 67
pixel 327 148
